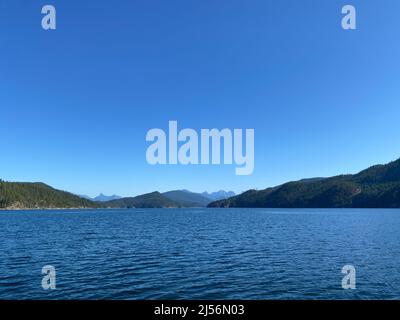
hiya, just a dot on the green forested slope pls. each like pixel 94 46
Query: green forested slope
pixel 21 195
pixel 375 187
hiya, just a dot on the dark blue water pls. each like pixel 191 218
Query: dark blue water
pixel 200 253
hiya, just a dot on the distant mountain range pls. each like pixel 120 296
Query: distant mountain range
pixel 24 195
pixel 101 197
pixel 219 195
pixel 170 199
pixel 375 187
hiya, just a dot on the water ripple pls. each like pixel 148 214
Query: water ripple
pixel 200 253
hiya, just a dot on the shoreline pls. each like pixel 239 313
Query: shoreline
pixel 33 209
pixel 186 208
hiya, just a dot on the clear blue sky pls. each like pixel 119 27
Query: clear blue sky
pixel 76 103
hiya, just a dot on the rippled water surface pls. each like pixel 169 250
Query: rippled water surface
pixel 200 253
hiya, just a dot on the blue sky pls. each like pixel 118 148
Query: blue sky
pixel 76 103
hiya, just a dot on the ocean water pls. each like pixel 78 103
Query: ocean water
pixel 200 253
